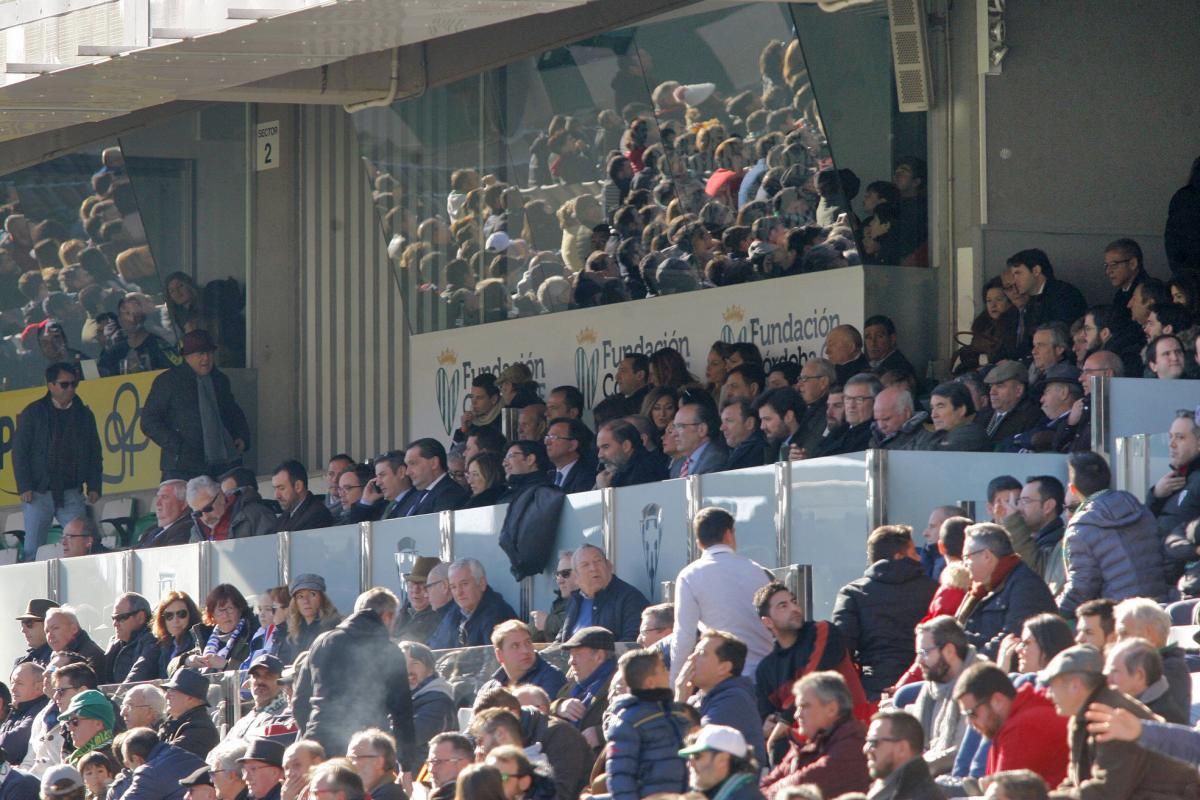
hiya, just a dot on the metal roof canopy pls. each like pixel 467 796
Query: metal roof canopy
pixel 343 52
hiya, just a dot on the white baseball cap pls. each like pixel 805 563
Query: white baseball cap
pixel 720 738
pixel 498 242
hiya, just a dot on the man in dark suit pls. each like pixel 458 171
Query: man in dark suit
pixel 817 377
pixel 625 459
pixel 844 347
pixel 566 443
pixel 191 414
pixel 302 510
pixel 1125 270
pixel 1050 300
pixel 633 381
pixel 390 494
pixel 779 412
pixel 879 341
pixel 426 465
pixel 739 426
pixel 698 437
pixel 172 514
pixel 1013 410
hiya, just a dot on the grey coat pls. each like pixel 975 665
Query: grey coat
pixel 1112 550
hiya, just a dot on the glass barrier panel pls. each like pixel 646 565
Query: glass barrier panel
pixel 92 584
pixel 251 564
pixel 22 583
pixel 581 522
pixel 1138 405
pixel 749 495
pixel 477 535
pixel 1159 457
pixel 395 545
pixel 829 523
pixel 652 535
pixel 332 553
pixel 961 477
pixel 159 570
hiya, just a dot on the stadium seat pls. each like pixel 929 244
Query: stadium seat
pixel 116 518
pixel 49 551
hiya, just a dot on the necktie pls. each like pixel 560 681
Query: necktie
pixel 412 511
pixel 683 471
pixel 558 478
pixel 997 418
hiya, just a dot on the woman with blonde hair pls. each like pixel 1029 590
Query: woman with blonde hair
pixel 577 217
pixel 310 613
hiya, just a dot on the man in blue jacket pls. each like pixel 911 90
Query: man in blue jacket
pixel 519 661
pixel 477 609
pixel 602 599
pixel 645 731
pixel 157 767
pixel 724 696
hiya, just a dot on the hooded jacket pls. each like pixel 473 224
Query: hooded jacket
pixel 645 735
pixel 1112 550
pixel 1033 737
pixel 355 678
pixel 433 710
pixel 876 615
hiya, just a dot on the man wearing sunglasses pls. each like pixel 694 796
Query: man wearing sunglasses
pixel 56 454
pixel 132 640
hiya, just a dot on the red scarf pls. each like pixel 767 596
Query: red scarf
pixel 1005 565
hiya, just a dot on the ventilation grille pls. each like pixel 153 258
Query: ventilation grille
pixel 910 54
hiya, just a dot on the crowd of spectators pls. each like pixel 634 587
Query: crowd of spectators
pixel 79 284
pixel 686 188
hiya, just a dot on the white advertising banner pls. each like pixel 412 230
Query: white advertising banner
pixel 788 318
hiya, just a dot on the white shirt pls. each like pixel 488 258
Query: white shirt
pixel 717 591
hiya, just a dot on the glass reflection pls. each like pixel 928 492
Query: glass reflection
pixel 78 282
pixel 685 153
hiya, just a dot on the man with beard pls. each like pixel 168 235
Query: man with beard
pixel 893 749
pixel 943 653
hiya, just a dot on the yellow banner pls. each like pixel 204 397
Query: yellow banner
pixel 130 459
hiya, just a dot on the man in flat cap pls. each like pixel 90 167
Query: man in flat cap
pixel 188 725
pixel 89 719
pixel 591 653
pixel 1107 769
pixel 418 619
pixel 1013 410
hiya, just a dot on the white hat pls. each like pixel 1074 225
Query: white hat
pixel 56 774
pixel 721 738
pixel 498 242
pixel 694 94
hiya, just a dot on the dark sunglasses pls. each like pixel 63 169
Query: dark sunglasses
pixel 123 617
pixel 66 384
pixel 167 616
pixel 206 510
pixel 564 573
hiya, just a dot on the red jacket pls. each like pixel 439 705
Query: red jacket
pixel 833 761
pixel 1033 737
pixel 946 600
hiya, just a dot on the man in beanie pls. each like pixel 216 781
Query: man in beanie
pixel 56 457
pixel 1109 769
pixel 89 719
pixel 192 416
pixel 262 768
pixel 188 725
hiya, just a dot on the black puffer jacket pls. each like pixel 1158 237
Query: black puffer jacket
pixel 876 615
pixel 1003 610
pixel 355 678
pixel 286 650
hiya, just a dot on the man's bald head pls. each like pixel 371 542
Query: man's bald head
pixel 893 407
pixel 843 344
pixel 1102 364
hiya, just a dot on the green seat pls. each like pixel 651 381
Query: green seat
pixel 55 535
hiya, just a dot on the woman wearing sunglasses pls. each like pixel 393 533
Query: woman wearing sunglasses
pixel 172 627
